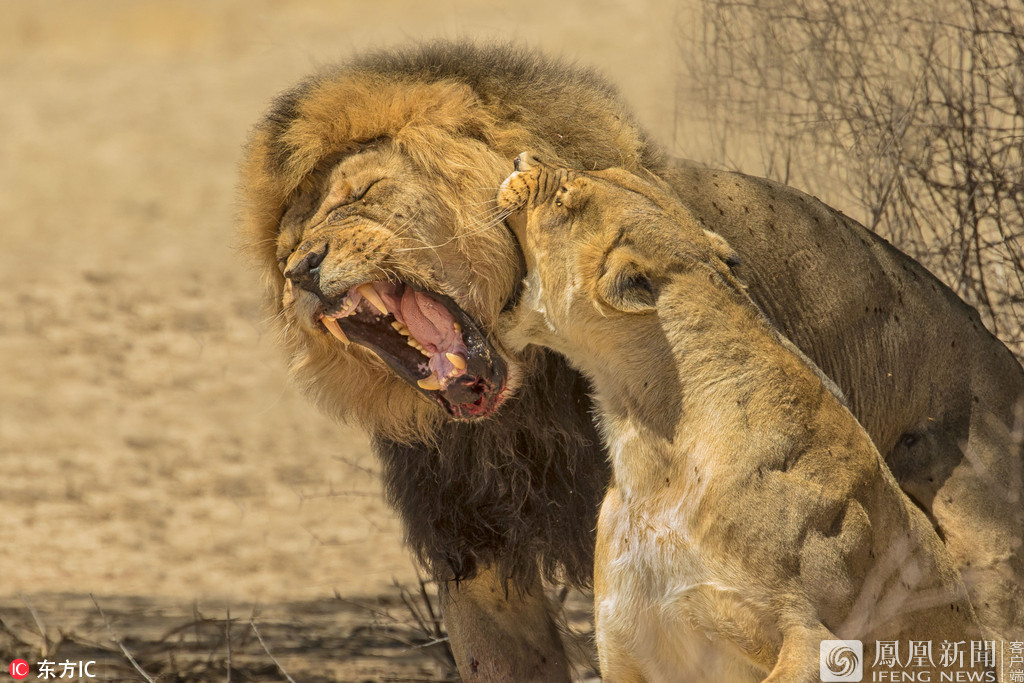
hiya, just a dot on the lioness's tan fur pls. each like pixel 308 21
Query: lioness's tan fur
pixel 747 503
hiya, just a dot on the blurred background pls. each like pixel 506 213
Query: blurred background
pixel 152 452
pixel 150 442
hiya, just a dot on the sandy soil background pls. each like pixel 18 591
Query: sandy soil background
pixel 150 447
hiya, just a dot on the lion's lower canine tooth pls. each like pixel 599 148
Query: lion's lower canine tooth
pixel 456 360
pixel 457 327
pixel 371 295
pixel 429 383
pixel 334 328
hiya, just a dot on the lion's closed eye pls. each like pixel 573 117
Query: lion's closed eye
pixel 355 194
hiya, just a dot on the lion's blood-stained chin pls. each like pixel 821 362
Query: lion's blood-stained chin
pixel 518 489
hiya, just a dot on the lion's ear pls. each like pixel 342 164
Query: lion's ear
pixel 625 285
pixel 722 249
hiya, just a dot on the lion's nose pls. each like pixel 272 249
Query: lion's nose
pixel 306 271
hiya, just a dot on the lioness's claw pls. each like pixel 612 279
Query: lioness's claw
pixel 430 383
pixel 371 295
pixel 334 328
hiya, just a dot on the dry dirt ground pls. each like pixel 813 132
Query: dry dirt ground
pixel 152 453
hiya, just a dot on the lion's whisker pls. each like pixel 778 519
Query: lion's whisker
pixel 404 226
pixel 273 319
pixel 486 202
pixel 502 215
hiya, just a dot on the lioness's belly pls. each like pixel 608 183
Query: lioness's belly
pixel 658 603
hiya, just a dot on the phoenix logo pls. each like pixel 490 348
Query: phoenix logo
pixel 841 660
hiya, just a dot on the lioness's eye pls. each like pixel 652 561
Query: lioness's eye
pixel 561 193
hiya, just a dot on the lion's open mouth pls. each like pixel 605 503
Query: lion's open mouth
pixel 427 340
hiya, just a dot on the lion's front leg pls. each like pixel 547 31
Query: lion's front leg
pixel 495 637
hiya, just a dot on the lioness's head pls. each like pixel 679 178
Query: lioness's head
pixel 598 245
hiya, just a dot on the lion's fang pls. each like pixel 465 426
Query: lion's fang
pixel 456 360
pixel 334 328
pixel 371 295
pixel 430 383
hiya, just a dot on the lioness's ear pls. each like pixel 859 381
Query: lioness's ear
pixel 722 249
pixel 625 285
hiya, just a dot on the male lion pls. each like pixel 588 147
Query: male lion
pixel 379 175
pixel 747 505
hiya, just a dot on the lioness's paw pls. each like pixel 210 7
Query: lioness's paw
pixel 515 190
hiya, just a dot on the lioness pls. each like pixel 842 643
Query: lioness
pixel 382 171
pixel 747 504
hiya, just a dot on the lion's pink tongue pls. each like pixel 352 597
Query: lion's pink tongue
pixel 427 325
pixel 427 320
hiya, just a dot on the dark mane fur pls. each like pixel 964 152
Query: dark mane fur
pixel 509 491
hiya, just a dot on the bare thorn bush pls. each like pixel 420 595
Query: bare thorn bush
pixel 908 115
